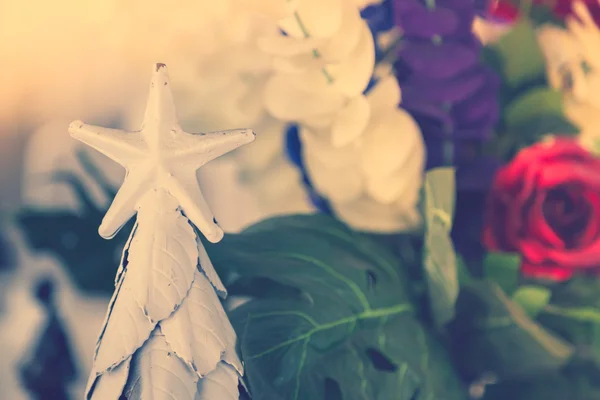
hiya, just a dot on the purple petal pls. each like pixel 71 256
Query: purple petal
pixel 453 90
pixel 421 108
pixel 455 4
pixel 438 61
pixel 478 110
pixel 416 20
pixel 482 132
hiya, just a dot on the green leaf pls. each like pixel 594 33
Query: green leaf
pixel 522 57
pixel 503 269
pixel 530 132
pixel 578 380
pixel 574 314
pixel 581 314
pixel 353 332
pixel 532 298
pixel 493 334
pixel 464 275
pixel 440 195
pixel 439 256
pixel 533 104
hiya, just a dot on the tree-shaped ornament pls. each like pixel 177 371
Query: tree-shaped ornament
pixel 166 334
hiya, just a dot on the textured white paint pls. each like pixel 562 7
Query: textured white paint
pixel 166 330
pixel 160 156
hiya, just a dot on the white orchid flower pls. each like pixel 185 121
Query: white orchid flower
pixel 361 152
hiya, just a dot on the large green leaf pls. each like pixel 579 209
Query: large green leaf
pixel 493 334
pixel 352 334
pixel 439 257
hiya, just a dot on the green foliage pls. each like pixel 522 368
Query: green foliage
pixel 530 109
pixel 439 258
pixel 532 298
pixel 522 58
pixel 491 333
pixel 532 104
pixel 578 380
pixel 574 313
pixel 348 329
pixel 503 269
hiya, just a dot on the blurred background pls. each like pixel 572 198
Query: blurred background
pixel 91 60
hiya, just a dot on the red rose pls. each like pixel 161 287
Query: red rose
pixel 545 205
pixel 506 10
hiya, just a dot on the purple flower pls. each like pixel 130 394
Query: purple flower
pixel 445 86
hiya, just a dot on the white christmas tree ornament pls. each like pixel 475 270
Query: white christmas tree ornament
pixel 166 335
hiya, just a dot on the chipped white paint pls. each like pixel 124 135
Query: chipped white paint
pixel 160 156
pixel 166 334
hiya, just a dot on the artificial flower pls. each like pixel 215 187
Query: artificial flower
pixel 358 155
pixel 445 86
pixel 573 67
pixel 507 10
pixel 545 205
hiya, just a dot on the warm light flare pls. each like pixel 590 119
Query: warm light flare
pixel 90 57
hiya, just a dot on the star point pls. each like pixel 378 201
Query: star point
pixel 161 156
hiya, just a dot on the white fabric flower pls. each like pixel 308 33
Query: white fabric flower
pixel 573 67
pixel 362 153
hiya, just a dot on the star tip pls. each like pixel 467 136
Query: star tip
pixel 250 135
pixel 106 233
pixel 216 235
pixel 77 124
pixel 75 128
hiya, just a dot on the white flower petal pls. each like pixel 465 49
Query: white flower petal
pixel 340 184
pixel 352 75
pixel 314 18
pixel 319 122
pixel 385 94
pixel 365 214
pixel 351 121
pixel 296 96
pixel 403 185
pixel 287 46
pixel 297 64
pixel 388 142
pixel 339 47
pixel 320 147
pixel 275 9
pixel 409 200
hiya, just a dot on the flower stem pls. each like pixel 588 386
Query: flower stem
pixel 315 52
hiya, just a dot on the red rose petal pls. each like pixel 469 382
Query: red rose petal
pixel 538 226
pixel 549 272
pixel 561 172
pixel 581 258
pixel 592 230
pixel 503 10
pixel 516 216
pixel 533 251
